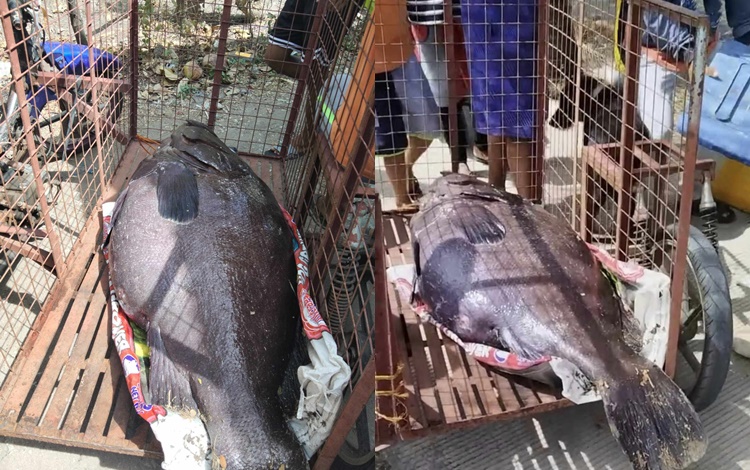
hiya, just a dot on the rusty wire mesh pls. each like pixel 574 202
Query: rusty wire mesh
pixel 59 151
pixel 300 123
pixel 463 96
pixel 621 173
pixel 611 164
pixel 437 122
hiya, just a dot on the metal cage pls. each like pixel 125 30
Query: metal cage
pixel 628 193
pixel 92 85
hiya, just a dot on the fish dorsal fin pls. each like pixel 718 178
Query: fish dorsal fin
pixel 176 192
pixel 480 225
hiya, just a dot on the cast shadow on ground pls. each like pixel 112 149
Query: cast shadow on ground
pixel 575 438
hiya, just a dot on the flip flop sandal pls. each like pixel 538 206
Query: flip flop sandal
pixel 416 190
pixel 276 152
pixel 405 209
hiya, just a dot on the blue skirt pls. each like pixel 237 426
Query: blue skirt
pixel 501 46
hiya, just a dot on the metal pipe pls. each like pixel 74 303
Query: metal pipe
pixel 625 203
pixel 686 195
pixel 94 94
pixel 448 43
pixel 537 159
pixel 134 68
pixel 15 67
pixel 213 105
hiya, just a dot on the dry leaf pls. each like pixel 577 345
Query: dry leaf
pixel 170 74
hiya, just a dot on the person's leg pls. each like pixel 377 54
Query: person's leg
pixel 519 154
pixel 498 172
pixel 462 133
pixel 481 147
pixel 503 66
pixel 434 63
pixel 288 36
pixel 391 140
pixel 339 17
pixel 417 147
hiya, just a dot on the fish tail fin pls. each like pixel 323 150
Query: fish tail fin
pixel 652 419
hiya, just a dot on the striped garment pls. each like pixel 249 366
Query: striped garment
pixel 430 12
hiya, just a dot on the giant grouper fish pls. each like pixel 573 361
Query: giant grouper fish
pixel 498 270
pixel 201 258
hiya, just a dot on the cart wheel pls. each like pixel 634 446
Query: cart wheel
pixel 358 450
pixel 709 306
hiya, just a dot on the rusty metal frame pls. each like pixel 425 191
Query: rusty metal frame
pixel 133 91
pixel 23 103
pixel 221 51
pixel 537 165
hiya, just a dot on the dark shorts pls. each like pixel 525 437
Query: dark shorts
pixel 295 20
pixel 390 126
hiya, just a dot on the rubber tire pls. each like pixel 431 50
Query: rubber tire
pixel 362 462
pixel 706 269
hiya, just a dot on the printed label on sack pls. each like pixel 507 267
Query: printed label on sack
pixel 122 336
pixel 312 321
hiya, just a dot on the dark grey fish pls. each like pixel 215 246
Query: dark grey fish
pixel 202 259
pixel 500 271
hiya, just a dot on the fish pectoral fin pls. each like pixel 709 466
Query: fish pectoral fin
pixel 169 385
pixel 177 192
pixel 480 226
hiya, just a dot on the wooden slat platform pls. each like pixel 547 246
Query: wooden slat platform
pixel 446 388
pixel 66 386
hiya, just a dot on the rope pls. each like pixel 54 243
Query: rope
pixel 399 418
pixel 395 375
pixel 397 392
pixel 145 140
pixel 392 419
